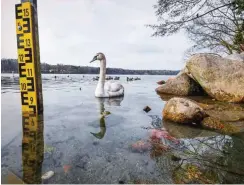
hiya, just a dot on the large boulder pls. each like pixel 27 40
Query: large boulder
pixel 222 79
pixel 181 85
pixel 182 110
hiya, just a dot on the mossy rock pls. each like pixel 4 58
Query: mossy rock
pixel 182 110
pixel 222 79
pixel 181 85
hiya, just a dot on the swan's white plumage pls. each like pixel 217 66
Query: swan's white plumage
pixel 106 89
pixel 111 89
pixel 112 86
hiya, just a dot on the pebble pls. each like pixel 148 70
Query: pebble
pixel 95 143
pixel 47 175
pixel 147 109
pixel 161 82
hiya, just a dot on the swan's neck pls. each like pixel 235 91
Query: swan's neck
pixel 101 82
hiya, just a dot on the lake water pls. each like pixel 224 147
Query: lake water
pixel 81 147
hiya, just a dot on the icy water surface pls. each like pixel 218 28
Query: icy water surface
pixel 126 146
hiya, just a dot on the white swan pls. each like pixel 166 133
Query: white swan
pixel 106 89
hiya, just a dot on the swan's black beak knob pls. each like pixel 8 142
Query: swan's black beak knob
pixel 94 58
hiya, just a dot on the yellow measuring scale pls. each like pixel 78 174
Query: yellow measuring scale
pixel 28 58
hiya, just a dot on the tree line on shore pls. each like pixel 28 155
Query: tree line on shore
pixel 9 65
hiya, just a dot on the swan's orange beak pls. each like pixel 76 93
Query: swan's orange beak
pixel 94 58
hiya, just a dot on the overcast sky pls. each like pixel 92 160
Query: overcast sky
pixel 72 31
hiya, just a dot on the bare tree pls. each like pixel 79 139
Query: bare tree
pixel 217 25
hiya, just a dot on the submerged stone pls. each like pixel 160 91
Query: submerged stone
pixel 181 131
pixel 219 126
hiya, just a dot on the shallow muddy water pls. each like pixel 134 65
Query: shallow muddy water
pixel 126 146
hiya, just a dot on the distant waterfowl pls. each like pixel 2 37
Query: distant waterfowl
pixel 109 78
pixel 131 79
pixel 116 78
pixel 95 78
pixel 137 78
pixel 106 89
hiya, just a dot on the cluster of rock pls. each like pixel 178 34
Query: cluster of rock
pixel 210 75
pixel 220 78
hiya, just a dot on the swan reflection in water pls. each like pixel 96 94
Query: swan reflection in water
pixel 115 101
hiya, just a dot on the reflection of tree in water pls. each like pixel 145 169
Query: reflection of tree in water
pixel 197 155
pixel 216 159
pixel 116 101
